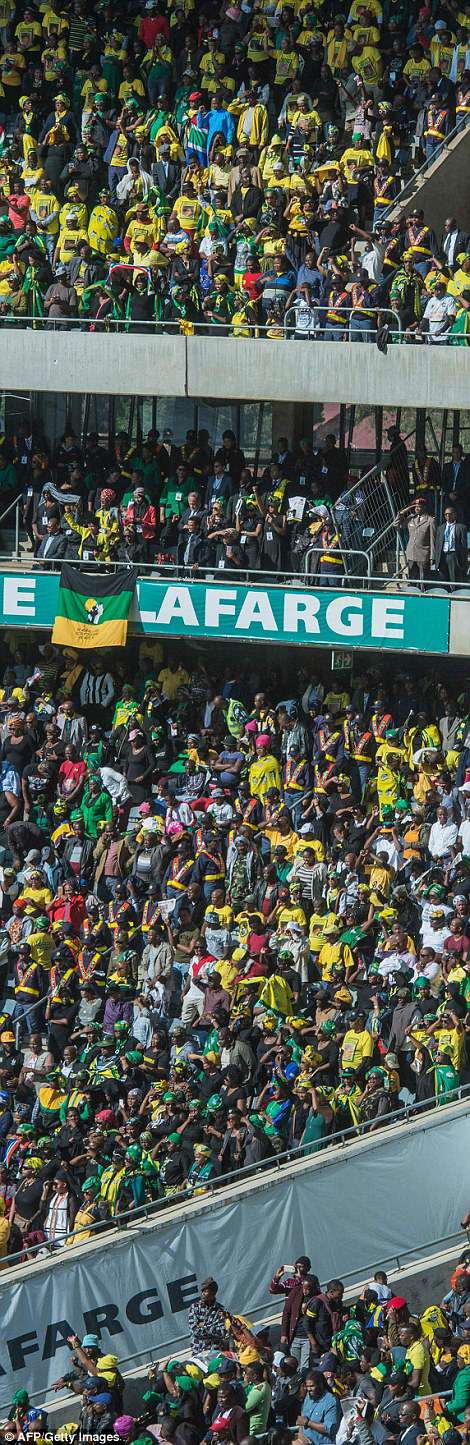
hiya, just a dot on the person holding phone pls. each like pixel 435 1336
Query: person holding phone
pixel 289 1281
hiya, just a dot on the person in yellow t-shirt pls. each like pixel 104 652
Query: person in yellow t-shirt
pixel 417 1356
pixel 28 32
pixel 356 158
pixel 450 1035
pixel 357 1045
pixel 36 894
pixel 188 210
pixel 357 10
pixel 367 63
pixel 130 85
pixel 53 23
pixel 171 678
pixel 287 63
pixel 71 237
pixel 417 67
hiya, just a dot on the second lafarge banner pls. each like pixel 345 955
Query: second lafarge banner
pixel 349 1213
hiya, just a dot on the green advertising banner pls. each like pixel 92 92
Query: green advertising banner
pixel 320 616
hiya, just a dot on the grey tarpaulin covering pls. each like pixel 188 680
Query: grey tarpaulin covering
pixel 348 1210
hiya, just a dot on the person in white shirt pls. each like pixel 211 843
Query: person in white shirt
pixel 443 836
pixel 428 909
pixel 439 313
pixel 436 931
pixel 115 784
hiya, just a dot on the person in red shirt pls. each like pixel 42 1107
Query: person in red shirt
pixel 456 945
pixel 153 24
pixel 18 206
pixel 68 907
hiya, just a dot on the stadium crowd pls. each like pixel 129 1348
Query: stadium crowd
pixel 369 1370
pixel 191 507
pixel 235 919
pixel 224 165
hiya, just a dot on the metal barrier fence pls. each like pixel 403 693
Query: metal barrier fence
pixel 365 513
pixel 306 322
pixel 280 331
pixel 382 552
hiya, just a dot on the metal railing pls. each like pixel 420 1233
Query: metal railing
pixel 258 331
pixel 364 580
pixel 14 506
pixel 316 320
pixel 344 555
pixel 276 331
pixel 251 1172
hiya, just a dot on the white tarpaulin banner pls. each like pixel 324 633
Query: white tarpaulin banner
pixel 348 1211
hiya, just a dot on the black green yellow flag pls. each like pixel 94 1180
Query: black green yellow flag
pixel 93 610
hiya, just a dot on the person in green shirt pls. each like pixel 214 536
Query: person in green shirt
pixel 149 471
pixel 460 1398
pixel 447 1078
pixel 96 807
pixel 257 1397
pixel 174 497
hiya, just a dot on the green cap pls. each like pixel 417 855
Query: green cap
pixel 134 1152
pixel 215 1102
pixel 174 1139
pixel 92 1183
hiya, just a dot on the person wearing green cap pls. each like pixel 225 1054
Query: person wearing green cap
pixel 173 1167
pixel 88 1212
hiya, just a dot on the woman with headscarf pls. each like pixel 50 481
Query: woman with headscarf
pixel 135 184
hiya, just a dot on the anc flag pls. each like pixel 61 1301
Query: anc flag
pixel 93 610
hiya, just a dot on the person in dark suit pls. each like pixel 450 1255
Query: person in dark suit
pixel 191 545
pixel 54 544
pixel 166 173
pixel 220 486
pixel 453 241
pixel 456 483
pixel 411 1424
pixel 451 554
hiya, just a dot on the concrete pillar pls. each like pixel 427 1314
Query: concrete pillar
pixel 294 420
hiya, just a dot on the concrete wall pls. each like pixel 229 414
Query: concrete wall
pixel 227 367
pixel 444 190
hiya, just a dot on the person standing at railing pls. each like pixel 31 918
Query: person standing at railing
pixel 363 317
